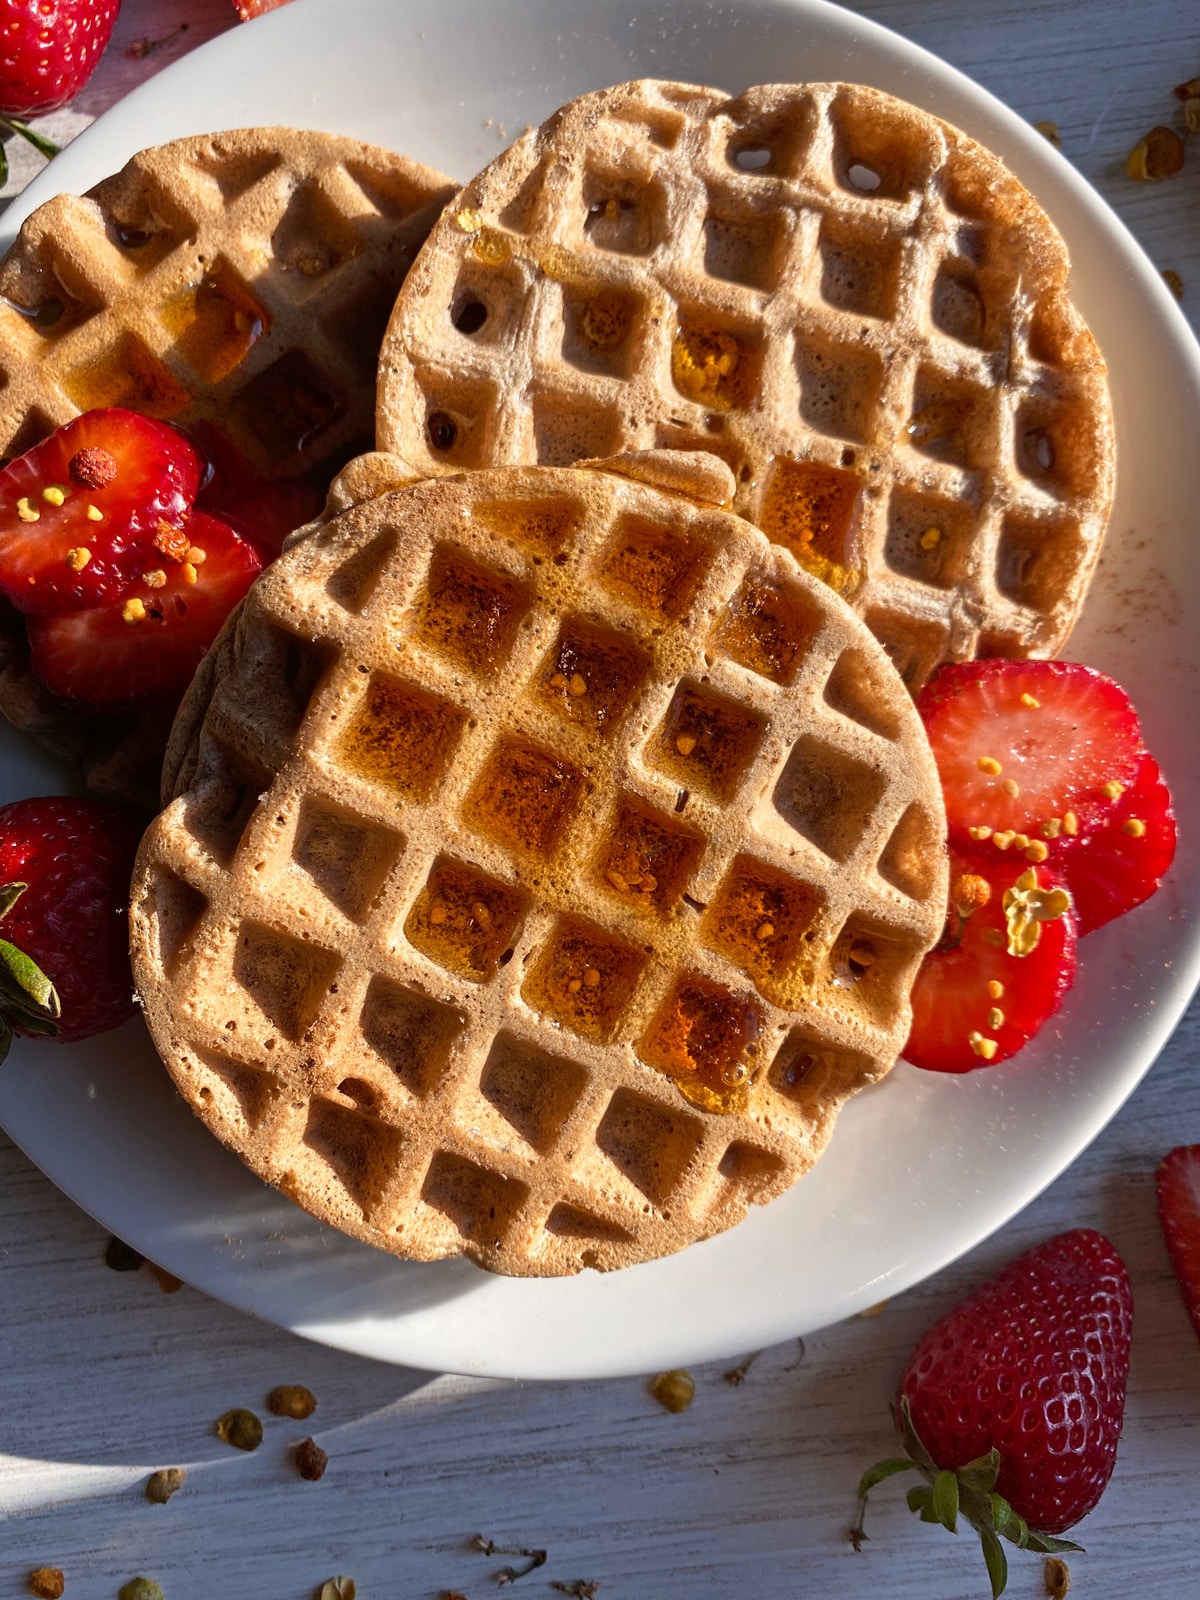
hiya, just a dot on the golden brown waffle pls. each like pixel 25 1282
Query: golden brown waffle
pixel 240 280
pixel 856 306
pixel 553 858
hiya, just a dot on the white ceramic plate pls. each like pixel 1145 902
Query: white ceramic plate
pixel 922 1167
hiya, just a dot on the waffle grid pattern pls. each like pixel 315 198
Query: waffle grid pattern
pixel 854 305
pixel 441 1080
pixel 239 278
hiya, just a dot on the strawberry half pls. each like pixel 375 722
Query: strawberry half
pixel 147 646
pixel 974 1003
pixel 80 513
pixel 1011 1406
pixel 1121 862
pixel 1028 747
pixel 1178 1185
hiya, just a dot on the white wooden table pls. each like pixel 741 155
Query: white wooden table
pixel 104 1378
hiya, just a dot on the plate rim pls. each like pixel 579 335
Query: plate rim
pixel 379 1338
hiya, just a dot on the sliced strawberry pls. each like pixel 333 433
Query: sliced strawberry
pixel 971 995
pixel 147 646
pixel 118 476
pixel 263 510
pixel 1041 748
pixel 1178 1185
pixel 1122 861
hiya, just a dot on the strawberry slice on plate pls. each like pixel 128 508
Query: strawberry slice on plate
pixel 1178 1184
pixel 1122 861
pixel 89 510
pixel 148 645
pixel 1042 749
pixel 1002 968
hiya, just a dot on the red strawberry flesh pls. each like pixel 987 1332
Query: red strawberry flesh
pixel 76 856
pixel 952 1003
pixel 1178 1185
pixel 147 646
pixel 1121 861
pixel 51 49
pixel 57 557
pixel 1015 766
pixel 1033 1364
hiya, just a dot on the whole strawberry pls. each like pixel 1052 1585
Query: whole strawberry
pixel 65 867
pixel 1011 1405
pixel 50 50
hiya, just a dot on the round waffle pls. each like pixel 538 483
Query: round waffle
pixel 553 857
pixel 236 281
pixel 856 306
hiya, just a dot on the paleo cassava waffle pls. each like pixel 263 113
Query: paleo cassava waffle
pixel 551 857
pixel 855 305
pixel 239 281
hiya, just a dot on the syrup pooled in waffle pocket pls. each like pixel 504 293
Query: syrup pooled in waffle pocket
pixel 551 857
pixel 857 307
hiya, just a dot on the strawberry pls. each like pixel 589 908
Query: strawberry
pixel 1013 767
pixel 976 1000
pixel 64 956
pixel 51 48
pixel 1121 862
pixel 1046 758
pixel 1178 1185
pixel 148 645
pixel 81 513
pixel 1011 1405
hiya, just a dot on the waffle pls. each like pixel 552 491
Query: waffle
pixel 553 857
pixel 856 306
pixel 240 281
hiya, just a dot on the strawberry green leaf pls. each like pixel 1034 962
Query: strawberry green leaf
pixel 920 1498
pixel 945 1500
pixel 9 895
pixel 1004 1519
pixel 39 141
pixel 880 1471
pixel 1048 1546
pixel 24 985
pixel 42 1027
pixel 979 1476
pixel 997 1561
pixel 912 1443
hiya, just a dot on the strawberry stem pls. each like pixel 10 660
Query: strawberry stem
pixel 947 1493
